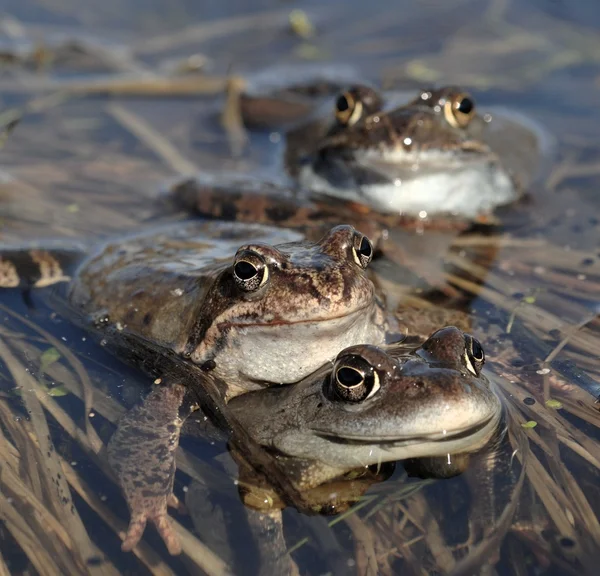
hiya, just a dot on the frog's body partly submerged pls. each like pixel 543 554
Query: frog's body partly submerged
pixel 430 155
pixel 269 315
pixel 424 158
pixel 274 314
pixel 375 407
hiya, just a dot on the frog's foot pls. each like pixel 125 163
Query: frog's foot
pixel 153 508
pixel 142 455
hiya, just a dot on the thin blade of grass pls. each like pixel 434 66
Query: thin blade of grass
pixel 63 504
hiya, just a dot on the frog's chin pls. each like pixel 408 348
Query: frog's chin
pixel 287 353
pixel 427 185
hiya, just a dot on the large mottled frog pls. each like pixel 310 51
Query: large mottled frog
pixel 273 313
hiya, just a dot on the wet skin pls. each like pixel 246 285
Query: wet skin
pixel 272 313
pixel 374 407
pixel 427 157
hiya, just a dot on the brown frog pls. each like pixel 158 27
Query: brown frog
pixel 371 407
pixel 430 162
pixel 424 158
pixel 271 314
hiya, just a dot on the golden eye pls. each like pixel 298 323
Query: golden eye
pixel 354 379
pixel 474 355
pixel 250 271
pixel 348 110
pixel 459 110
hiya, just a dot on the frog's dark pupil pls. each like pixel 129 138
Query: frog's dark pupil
pixel 365 247
pixel 477 350
pixel 245 270
pixel 466 106
pixel 342 104
pixel 349 376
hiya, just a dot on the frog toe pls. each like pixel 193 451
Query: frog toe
pixel 167 533
pixel 135 530
pixel 155 510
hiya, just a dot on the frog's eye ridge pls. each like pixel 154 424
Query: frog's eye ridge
pixel 474 355
pixel 354 379
pixel 459 110
pixel 250 272
pixel 362 250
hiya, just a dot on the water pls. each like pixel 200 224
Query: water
pixel 79 169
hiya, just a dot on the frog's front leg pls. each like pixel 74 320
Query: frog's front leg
pixel 142 454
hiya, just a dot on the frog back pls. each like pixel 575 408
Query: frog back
pixel 153 284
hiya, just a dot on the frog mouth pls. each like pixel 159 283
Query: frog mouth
pixel 318 320
pixel 438 438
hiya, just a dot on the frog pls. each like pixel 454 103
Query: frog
pixel 178 287
pixel 376 406
pixel 372 406
pixel 431 161
pixel 428 156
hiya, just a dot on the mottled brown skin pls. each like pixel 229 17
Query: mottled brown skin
pixel 150 288
pixel 149 433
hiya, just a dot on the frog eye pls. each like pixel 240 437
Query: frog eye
pixel 474 355
pixel 459 110
pixel 362 250
pixel 250 271
pixel 348 109
pixel 354 379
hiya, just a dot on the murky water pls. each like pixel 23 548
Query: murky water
pixel 85 168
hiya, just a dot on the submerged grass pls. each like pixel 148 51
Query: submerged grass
pixel 39 479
